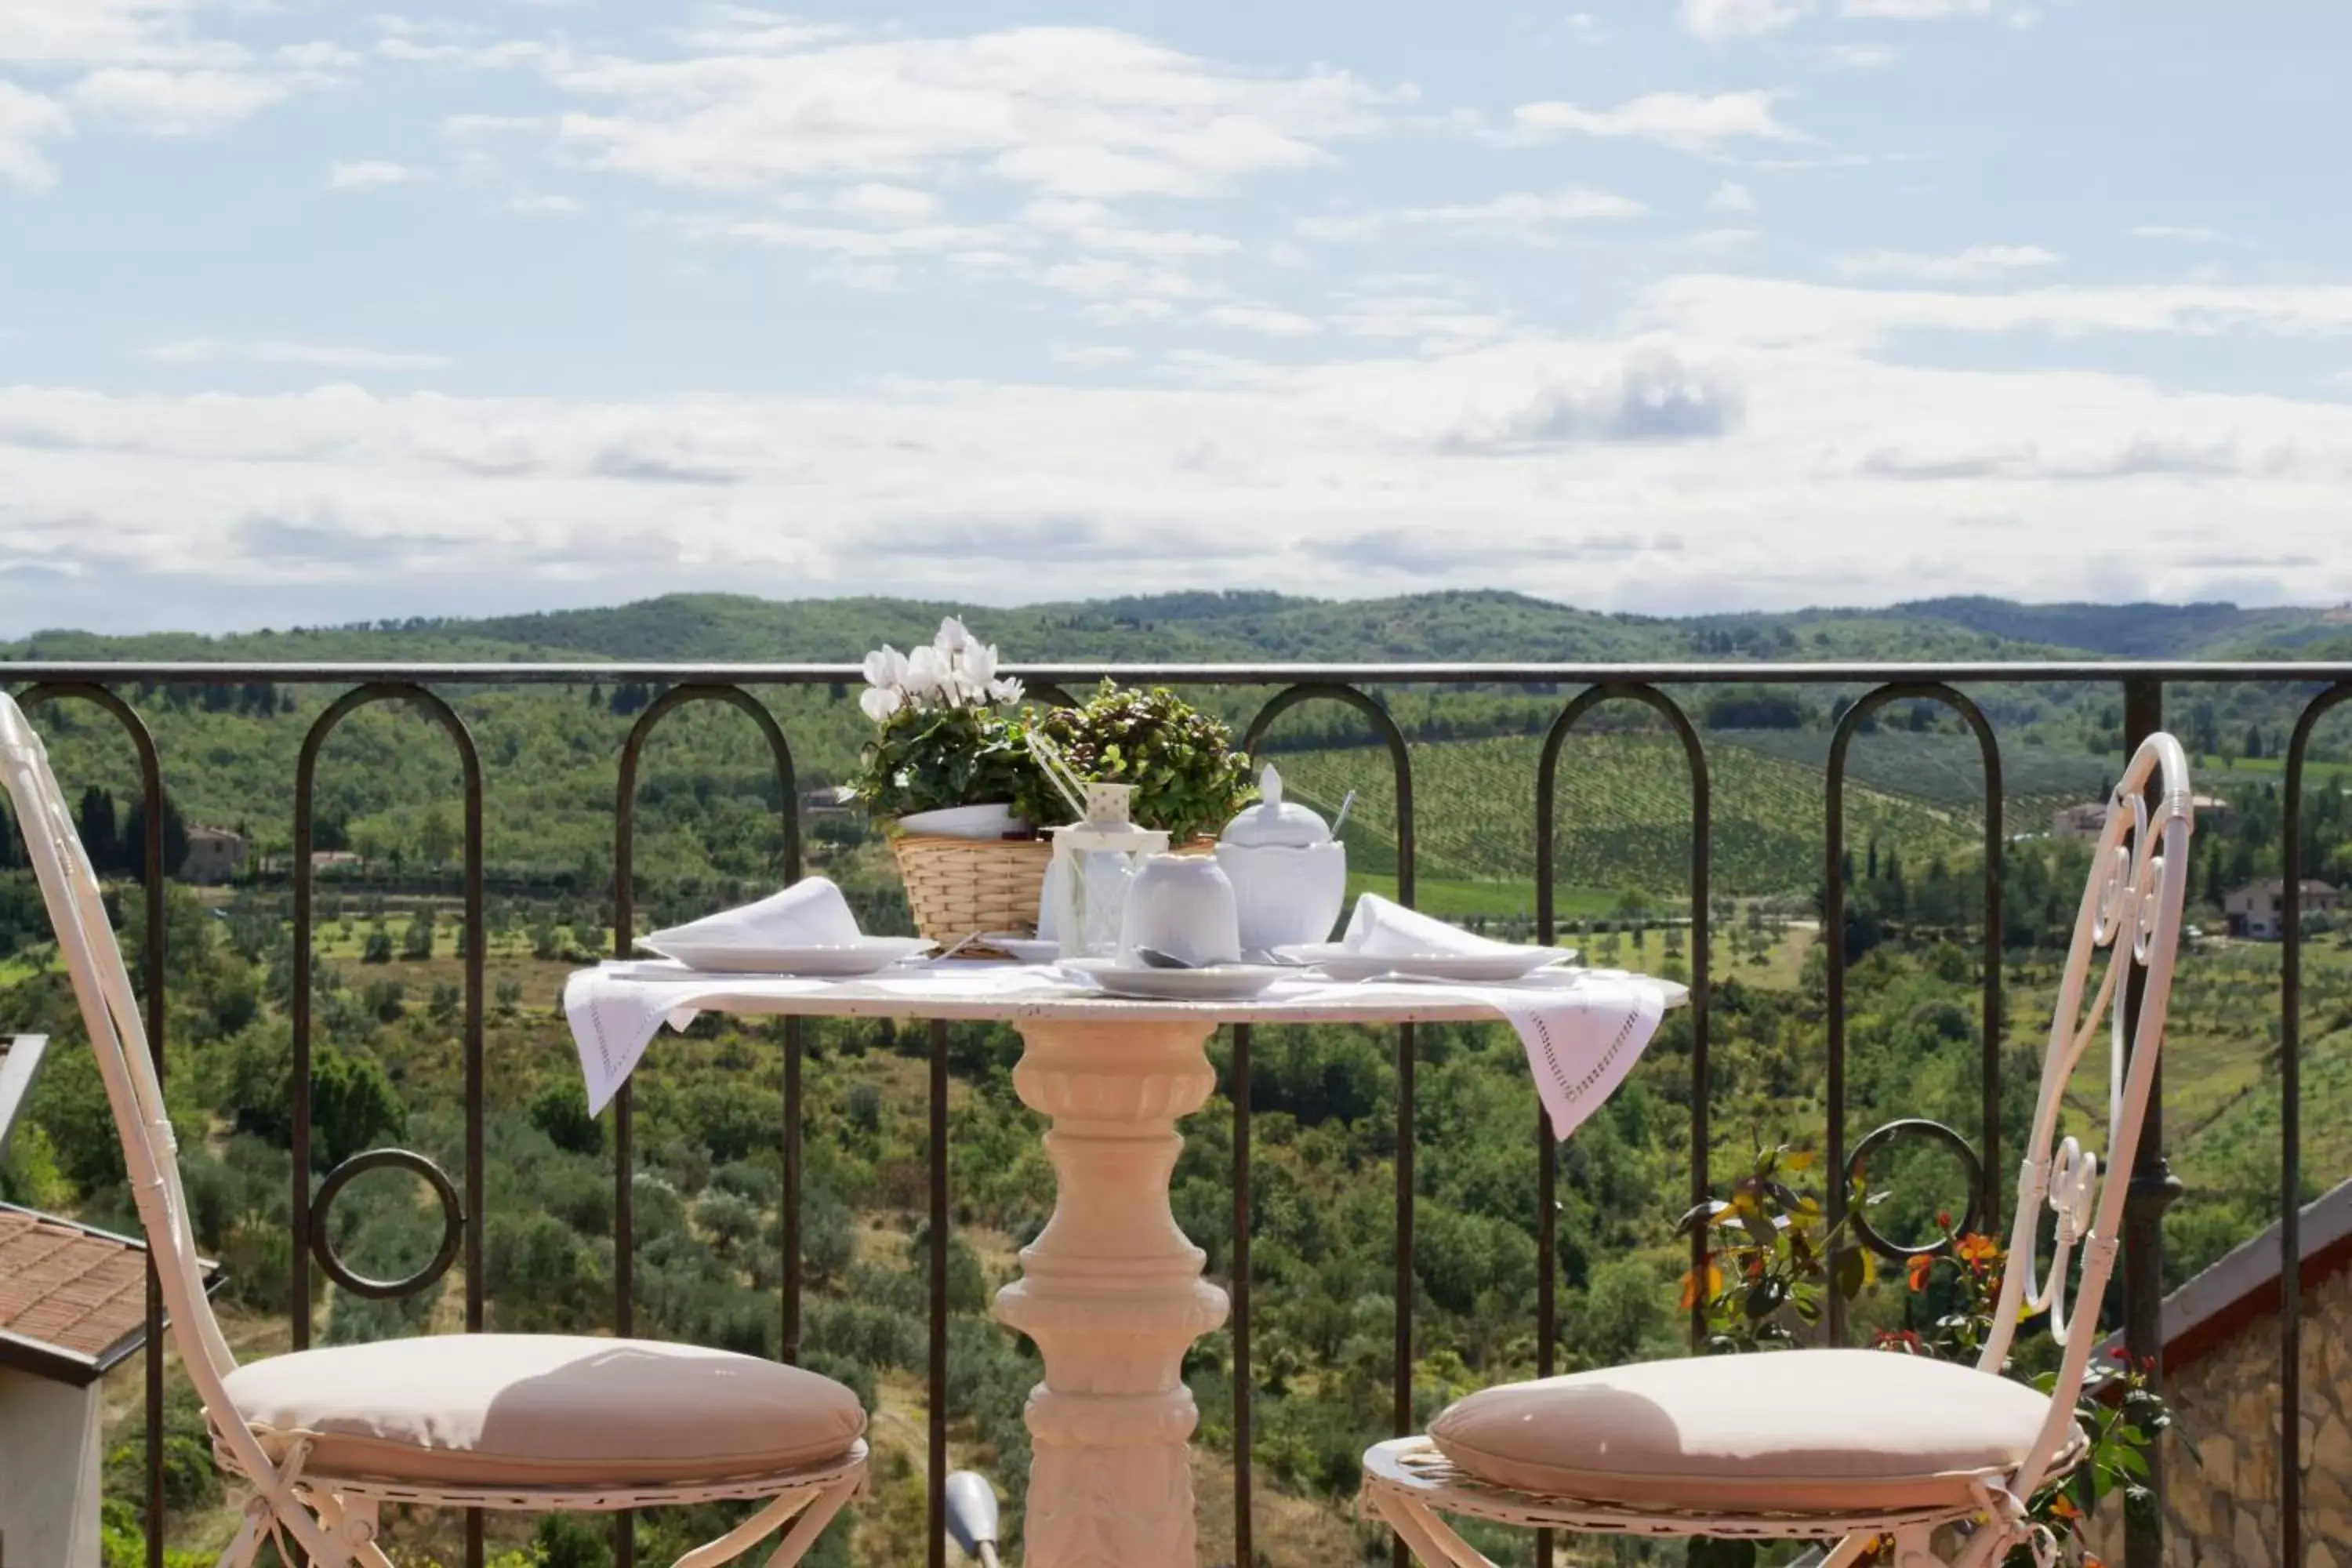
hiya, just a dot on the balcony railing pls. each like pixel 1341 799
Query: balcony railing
pixel 2141 687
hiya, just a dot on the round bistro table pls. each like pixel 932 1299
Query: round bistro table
pixel 1111 1289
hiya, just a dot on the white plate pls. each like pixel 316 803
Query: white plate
pixel 1217 983
pixel 863 956
pixel 1342 961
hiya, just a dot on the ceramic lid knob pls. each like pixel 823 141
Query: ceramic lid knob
pixel 1274 822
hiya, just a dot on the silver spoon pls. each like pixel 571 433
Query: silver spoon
pixel 1155 959
pixel 1341 820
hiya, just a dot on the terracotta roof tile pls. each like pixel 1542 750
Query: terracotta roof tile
pixel 71 1289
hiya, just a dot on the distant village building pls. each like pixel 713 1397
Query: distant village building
pixel 2086 821
pixel 2259 910
pixel 334 860
pixel 833 800
pixel 215 855
pixel 2089 819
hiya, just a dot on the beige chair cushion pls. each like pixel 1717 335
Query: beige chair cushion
pixel 490 1410
pixel 1784 1431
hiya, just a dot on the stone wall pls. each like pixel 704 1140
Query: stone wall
pixel 2221 1464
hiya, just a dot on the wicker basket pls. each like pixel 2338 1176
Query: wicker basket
pixel 959 886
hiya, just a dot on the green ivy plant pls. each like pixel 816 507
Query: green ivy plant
pixel 1188 778
pixel 926 759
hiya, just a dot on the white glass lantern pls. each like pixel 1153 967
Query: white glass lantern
pixel 1094 863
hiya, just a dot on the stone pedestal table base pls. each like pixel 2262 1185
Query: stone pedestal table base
pixel 1111 1293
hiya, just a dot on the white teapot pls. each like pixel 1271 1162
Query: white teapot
pixel 1289 875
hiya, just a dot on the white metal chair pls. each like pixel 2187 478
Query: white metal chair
pixel 1854 1446
pixel 516 1422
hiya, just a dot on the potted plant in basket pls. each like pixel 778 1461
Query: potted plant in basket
pixel 1189 779
pixel 943 775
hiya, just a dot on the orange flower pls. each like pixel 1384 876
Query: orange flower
pixel 1691 1284
pixel 1977 1251
pixel 2064 1507
pixel 1922 1264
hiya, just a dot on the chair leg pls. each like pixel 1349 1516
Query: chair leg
pixel 801 1536
pixel 738 1541
pixel 1853 1549
pixel 246 1543
pixel 1429 1539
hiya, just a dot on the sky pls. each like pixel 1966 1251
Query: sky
pixel 311 314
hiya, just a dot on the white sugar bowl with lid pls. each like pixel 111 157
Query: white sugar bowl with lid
pixel 1289 875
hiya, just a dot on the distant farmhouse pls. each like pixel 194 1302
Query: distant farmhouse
pixel 215 855
pixel 2089 819
pixel 2259 910
pixel 2085 821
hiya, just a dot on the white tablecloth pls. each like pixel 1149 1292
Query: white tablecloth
pixel 1583 1029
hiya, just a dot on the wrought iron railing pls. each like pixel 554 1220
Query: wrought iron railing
pixel 2141 687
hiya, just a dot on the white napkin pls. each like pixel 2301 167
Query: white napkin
pixel 1383 929
pixel 810 913
pixel 1582 1029
pixel 617 1009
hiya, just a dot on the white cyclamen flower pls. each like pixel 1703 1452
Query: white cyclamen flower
pixel 952 637
pixel 976 665
pixel 928 674
pixel 885 666
pixel 1005 691
pixel 881 702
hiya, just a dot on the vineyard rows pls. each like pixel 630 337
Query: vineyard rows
pixel 1945 771
pixel 1623 812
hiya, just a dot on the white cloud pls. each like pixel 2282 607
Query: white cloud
pixel 158 102
pixel 1089 112
pixel 1520 215
pixel 320 57
pixel 886 203
pixel 1714 21
pixel 370 176
pixel 543 203
pixel 1099 276
pixel 1917 10
pixel 61 33
pixel 1521 211
pixel 743 29
pixel 1436 324
pixel 1129 312
pixel 2185 235
pixel 1090 357
pixel 26 119
pixel 854 243
pixel 1654 467
pixel 1679 120
pixel 1731 197
pixel 1092 225
pixel 1859 56
pixel 1773 313
pixel 1263 320
pixel 1978 262
pixel 323 356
